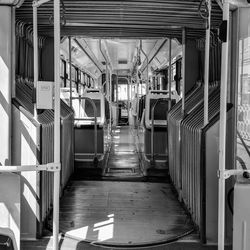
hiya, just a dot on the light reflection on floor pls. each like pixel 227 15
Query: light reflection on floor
pixel 80 233
pixel 105 230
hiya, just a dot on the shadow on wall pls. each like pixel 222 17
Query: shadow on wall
pixel 4 103
pixel 10 206
pixel 25 151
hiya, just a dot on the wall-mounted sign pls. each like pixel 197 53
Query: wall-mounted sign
pixel 44 95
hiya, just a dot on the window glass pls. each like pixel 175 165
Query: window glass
pixel 243 91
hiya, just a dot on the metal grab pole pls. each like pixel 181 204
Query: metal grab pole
pixel 143 52
pixel 137 101
pixel 152 132
pixel 57 112
pixel 206 73
pixel 107 85
pixel 169 72
pixel 183 67
pixel 110 100
pixel 35 44
pixel 70 72
pixel 223 126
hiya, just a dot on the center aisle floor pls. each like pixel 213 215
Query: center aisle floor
pixel 122 213
pixel 123 160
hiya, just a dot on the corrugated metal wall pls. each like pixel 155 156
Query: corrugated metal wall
pixel 187 152
pixel 45 145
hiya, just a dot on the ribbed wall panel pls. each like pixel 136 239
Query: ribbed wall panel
pixel 24 91
pixel 186 139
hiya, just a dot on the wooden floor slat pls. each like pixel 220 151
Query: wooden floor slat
pixel 126 214
pixel 122 212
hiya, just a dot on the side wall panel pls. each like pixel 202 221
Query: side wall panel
pixel 5 83
pixel 25 136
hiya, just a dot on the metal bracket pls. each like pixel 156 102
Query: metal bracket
pixel 53 167
pixel 37 3
pixel 230 172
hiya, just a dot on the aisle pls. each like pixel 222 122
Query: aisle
pixel 123 159
pixel 122 213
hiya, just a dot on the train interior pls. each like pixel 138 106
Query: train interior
pixel 139 163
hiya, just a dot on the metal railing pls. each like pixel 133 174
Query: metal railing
pixel 57 107
pixel 50 167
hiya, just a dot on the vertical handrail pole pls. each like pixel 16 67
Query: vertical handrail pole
pixel 206 73
pixel 110 100
pixel 107 91
pixel 95 115
pixel 169 72
pixel 116 92
pixel 107 85
pixel 56 122
pixel 70 71
pixel 35 44
pixel 128 94
pixel 144 53
pixel 137 101
pixel 223 126
pixel 152 131
pixel 116 97
pixel 13 53
pixel 183 67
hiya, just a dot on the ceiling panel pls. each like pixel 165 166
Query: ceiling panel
pixel 123 19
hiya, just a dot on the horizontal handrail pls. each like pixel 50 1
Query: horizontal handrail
pixel 230 172
pixel 84 119
pixel 52 167
pixel 159 92
pixel 39 3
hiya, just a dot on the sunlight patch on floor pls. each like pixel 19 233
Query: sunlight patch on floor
pixel 105 228
pixel 79 232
